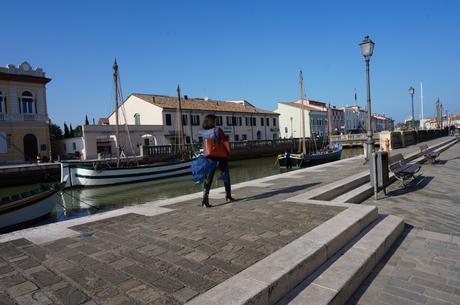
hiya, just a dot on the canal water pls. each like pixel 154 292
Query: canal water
pixel 81 202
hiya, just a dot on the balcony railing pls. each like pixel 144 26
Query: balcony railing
pixel 18 117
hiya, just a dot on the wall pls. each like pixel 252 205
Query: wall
pixel 286 113
pixel 149 113
pixel 192 131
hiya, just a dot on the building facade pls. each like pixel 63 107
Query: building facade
pixel 355 119
pixel 291 119
pixel 101 141
pixel 240 120
pixel 24 131
pixel 338 120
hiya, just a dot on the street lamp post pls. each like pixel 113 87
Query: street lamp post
pixel 367 47
pixel 411 92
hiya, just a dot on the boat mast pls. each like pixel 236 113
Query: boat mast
pixel 180 126
pixel 115 81
pixel 329 122
pixel 304 149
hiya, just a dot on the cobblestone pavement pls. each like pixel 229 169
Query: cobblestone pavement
pixel 164 259
pixel 424 266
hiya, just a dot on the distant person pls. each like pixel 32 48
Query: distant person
pixel 287 154
pixel 210 131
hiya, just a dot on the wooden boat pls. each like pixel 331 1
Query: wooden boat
pixel 118 173
pixel 331 153
pixel 27 206
pixel 84 175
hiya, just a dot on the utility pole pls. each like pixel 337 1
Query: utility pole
pixel 422 124
pixel 115 80
pixel 304 148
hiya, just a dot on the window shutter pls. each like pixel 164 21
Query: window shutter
pixel 35 103
pixel 19 103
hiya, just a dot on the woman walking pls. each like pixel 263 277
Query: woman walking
pixel 210 131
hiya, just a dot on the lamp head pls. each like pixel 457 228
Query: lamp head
pixel 411 90
pixel 367 47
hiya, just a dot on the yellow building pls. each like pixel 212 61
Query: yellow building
pixel 24 132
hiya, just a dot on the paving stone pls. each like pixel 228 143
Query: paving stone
pixel 5 269
pixel 37 252
pixel 141 273
pixel 9 251
pixel 20 289
pixel 185 294
pixel 71 296
pixel 129 284
pixel 144 294
pixel 109 274
pixel 46 278
pixel 35 298
pixel 21 242
pixel 89 281
pixel 167 284
pixel 5 300
pixel 12 280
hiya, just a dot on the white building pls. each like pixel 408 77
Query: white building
pixel 355 119
pixel 291 119
pixel 101 140
pixel 240 120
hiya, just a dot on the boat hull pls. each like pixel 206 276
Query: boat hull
pixel 300 160
pixel 26 212
pixel 83 176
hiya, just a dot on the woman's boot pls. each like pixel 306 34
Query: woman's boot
pixel 228 192
pixel 206 188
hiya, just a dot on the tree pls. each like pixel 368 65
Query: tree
pixel 77 132
pixel 71 132
pixel 55 131
pixel 66 131
pixel 86 120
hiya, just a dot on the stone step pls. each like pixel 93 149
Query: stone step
pixel 336 188
pixel 336 280
pixel 270 279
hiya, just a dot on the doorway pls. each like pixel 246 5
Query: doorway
pixel 30 148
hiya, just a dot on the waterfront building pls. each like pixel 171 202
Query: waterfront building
pixel 24 132
pixel 380 123
pixel 99 141
pixel 452 120
pixel 355 119
pixel 291 118
pixel 338 120
pixel 239 119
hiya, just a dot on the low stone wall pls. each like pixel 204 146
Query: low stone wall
pixel 399 139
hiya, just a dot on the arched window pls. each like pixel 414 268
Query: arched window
pixel 137 119
pixel 2 103
pixel 27 103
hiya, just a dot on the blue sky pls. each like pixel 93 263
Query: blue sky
pixel 237 50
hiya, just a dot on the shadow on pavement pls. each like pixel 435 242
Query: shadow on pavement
pixel 417 184
pixel 286 190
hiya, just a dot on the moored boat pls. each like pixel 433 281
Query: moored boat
pixel 85 175
pixel 113 173
pixel 27 206
pixel 331 153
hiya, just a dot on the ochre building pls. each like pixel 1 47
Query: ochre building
pixel 24 132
